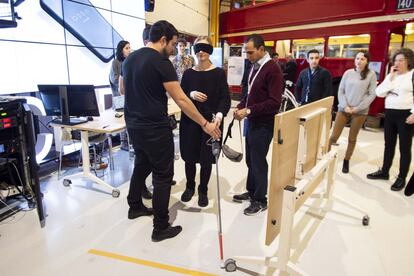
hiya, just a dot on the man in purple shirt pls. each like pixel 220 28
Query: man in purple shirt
pixel 265 88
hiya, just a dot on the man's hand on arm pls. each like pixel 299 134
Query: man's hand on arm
pixel 177 94
pixel 212 129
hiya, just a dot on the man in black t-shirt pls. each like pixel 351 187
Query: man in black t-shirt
pixel 148 74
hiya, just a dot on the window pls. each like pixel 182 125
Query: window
pixel 347 46
pixel 396 41
pixel 300 47
pixel 283 48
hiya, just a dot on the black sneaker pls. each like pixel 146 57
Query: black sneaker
pixel 409 190
pixel 202 200
pixel 255 208
pixel 380 174
pixel 136 213
pixel 146 193
pixel 167 233
pixel 398 185
pixel 187 195
pixel 241 197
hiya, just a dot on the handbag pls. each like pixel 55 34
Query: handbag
pixel 230 153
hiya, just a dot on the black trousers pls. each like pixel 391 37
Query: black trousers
pixel 205 173
pixel 154 152
pixel 394 126
pixel 258 140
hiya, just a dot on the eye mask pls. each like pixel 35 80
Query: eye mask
pixel 206 48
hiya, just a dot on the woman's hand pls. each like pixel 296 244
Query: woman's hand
pixel 217 121
pixel 348 109
pixel 410 119
pixel 393 72
pixel 199 97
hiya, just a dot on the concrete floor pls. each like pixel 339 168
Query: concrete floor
pixel 87 231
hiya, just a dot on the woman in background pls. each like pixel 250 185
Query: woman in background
pixel 207 86
pixel 355 94
pixel 397 88
pixel 122 51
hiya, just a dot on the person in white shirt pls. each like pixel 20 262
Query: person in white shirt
pixel 397 88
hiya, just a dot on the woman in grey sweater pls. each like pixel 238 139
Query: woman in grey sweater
pixel 355 94
pixel 122 51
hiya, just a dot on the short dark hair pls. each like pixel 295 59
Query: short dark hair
pixel 182 40
pixel 257 40
pixel 146 32
pixel 162 28
pixel 119 50
pixel 408 55
pixel 313 51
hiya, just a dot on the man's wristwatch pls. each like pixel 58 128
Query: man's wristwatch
pixel 248 111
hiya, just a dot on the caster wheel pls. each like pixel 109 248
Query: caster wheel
pixel 67 182
pixel 230 265
pixel 365 220
pixel 116 193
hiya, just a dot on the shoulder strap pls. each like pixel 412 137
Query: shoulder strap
pixel 228 131
pixel 229 134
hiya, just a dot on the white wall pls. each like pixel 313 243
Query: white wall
pixel 40 51
pixel 188 16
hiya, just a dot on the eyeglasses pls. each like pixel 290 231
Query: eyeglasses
pixel 249 52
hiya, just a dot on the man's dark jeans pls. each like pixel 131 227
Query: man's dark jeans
pixel 154 152
pixel 258 140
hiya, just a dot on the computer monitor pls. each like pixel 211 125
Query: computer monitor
pixel 49 94
pixel 69 100
pixel 118 103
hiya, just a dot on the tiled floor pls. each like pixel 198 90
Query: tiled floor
pixel 85 216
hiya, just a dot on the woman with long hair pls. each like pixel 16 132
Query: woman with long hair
pixel 397 88
pixel 355 94
pixel 207 86
pixel 122 51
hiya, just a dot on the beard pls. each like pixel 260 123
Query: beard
pixel 165 53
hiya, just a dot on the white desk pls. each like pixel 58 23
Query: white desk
pixel 109 124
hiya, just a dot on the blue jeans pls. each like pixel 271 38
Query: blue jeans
pixel 258 140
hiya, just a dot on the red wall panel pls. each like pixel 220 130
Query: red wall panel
pixel 297 12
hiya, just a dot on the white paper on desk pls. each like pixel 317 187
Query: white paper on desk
pixel 235 70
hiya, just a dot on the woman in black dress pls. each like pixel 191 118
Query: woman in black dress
pixel 207 86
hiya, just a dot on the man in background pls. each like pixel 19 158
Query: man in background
pixel 289 71
pixel 314 83
pixel 182 61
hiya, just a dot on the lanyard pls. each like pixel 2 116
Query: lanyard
pixel 307 90
pixel 250 84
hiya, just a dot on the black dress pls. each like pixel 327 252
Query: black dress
pixel 193 139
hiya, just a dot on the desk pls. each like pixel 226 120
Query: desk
pixel 109 124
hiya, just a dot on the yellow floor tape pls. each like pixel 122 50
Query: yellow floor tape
pixel 148 263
